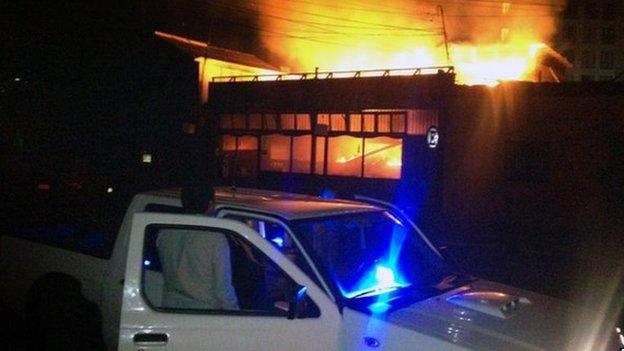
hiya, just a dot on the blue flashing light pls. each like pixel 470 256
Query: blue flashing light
pixel 380 279
pixel 301 293
pixel 379 307
pixel 384 276
pixel 278 241
pixel 147 263
pixel 327 194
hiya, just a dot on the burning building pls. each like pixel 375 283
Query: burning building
pixel 423 138
pixel 316 131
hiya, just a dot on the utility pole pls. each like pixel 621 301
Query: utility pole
pixel 448 57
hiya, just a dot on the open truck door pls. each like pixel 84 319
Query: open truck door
pixel 289 311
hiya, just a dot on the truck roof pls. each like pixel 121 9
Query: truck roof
pixel 286 205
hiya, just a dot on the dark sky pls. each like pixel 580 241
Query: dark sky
pixel 95 84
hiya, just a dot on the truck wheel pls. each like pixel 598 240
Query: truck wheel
pixel 63 319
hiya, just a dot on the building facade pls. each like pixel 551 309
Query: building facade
pixel 375 136
pixel 591 36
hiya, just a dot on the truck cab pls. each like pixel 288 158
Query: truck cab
pixel 314 274
pixel 304 273
pixel 297 262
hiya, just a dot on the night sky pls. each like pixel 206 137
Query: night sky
pixel 81 81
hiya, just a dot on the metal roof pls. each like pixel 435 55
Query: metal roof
pixel 198 48
pixel 286 205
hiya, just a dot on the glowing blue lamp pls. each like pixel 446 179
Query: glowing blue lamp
pixel 278 241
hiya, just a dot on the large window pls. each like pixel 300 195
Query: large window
pixel 344 156
pixel 382 158
pixel 379 157
pixel 359 144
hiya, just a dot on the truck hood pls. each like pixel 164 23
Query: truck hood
pixel 482 316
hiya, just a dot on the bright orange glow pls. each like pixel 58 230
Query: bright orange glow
pixel 336 36
pixel 490 64
pixel 382 158
pixel 394 163
pixel 210 68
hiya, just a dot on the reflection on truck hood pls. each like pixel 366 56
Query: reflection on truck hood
pixel 482 316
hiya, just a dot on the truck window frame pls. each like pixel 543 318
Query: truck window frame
pixel 224 211
pixel 229 233
pixel 309 271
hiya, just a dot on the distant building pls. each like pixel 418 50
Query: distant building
pixel 591 36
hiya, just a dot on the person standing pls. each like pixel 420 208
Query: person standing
pixel 196 264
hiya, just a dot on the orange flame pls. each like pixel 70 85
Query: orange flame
pixel 358 35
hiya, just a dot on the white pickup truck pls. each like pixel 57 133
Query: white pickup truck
pixel 309 274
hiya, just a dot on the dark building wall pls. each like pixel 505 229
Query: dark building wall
pixel 331 94
pixel 535 160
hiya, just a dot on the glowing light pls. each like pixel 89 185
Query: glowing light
pixel 301 293
pixel 278 241
pixel 147 263
pixel 384 276
pixel 364 39
pixel 380 279
pixel 109 190
pixel 17 79
pixel 433 137
pixel 328 194
pixel 146 158
pixel 394 163
pixel 379 307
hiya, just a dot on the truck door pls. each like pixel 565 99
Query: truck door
pixel 178 291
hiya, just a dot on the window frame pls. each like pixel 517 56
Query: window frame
pixel 227 213
pixel 228 233
pixel 403 123
pixel 221 212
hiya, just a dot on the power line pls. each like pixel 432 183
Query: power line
pixel 276 34
pixel 370 25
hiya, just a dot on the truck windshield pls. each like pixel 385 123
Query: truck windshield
pixel 370 253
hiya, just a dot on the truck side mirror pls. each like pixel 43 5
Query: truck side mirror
pixel 297 302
